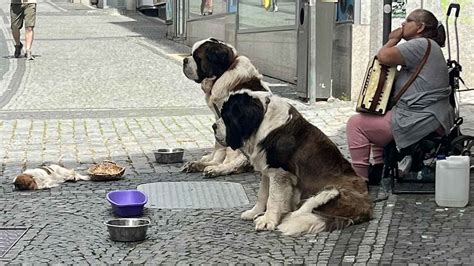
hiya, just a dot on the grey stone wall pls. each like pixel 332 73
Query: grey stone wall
pixel 341 67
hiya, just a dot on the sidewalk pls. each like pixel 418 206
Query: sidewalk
pixel 110 86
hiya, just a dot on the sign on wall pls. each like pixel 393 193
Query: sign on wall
pixel 399 9
pixel 345 11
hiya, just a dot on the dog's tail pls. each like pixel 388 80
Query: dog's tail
pixel 304 220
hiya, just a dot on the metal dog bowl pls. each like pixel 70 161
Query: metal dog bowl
pixel 169 155
pixel 127 229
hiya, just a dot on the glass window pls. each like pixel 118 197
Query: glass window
pixel 266 13
pixel 345 11
pixel 116 3
pixel 201 8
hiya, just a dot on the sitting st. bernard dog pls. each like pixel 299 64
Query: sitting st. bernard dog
pixel 220 70
pixel 46 177
pixel 307 186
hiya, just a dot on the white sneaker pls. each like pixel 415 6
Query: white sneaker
pixel 404 165
pixel 29 55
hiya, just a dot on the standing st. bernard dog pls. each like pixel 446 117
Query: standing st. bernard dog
pixel 220 70
pixel 306 183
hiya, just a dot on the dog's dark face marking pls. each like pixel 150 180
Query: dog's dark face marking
pixel 242 115
pixel 210 58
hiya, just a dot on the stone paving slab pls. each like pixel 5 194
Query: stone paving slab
pixel 105 51
pixel 8 238
pixel 194 195
pixel 75 213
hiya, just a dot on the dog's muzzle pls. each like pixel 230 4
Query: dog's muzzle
pixel 190 68
pixel 219 132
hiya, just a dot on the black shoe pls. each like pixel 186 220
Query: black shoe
pixel 18 49
pixel 375 174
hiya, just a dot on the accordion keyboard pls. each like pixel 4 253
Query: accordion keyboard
pixel 376 88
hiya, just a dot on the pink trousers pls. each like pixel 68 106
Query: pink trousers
pixel 366 132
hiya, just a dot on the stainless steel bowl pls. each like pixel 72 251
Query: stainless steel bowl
pixel 169 155
pixel 127 229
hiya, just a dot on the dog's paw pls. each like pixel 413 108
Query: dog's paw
pixel 215 171
pixel 207 158
pixel 266 222
pixel 192 167
pixel 250 215
pixel 297 223
pixel 288 227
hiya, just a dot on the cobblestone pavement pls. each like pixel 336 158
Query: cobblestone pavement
pixel 108 85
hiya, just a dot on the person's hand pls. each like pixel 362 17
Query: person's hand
pixel 396 34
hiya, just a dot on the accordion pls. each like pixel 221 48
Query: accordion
pixel 376 89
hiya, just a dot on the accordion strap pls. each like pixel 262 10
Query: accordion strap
pixel 413 77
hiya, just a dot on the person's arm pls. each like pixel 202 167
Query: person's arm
pixel 389 54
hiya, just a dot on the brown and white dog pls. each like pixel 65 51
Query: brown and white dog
pixel 307 186
pixel 46 177
pixel 220 70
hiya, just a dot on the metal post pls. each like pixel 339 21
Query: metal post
pixel 179 18
pixel 387 19
pixel 131 4
pixel 102 4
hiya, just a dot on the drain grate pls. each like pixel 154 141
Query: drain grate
pixel 9 237
pixel 194 195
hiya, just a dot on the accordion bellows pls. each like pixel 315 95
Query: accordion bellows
pixel 376 88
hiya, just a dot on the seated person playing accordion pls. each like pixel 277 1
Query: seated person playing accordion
pixel 422 109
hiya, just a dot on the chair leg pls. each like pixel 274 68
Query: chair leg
pixel 391 177
pixel 391 155
pixel 394 176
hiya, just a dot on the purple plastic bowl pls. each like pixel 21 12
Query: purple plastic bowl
pixel 127 203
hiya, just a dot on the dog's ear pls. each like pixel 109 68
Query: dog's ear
pixel 25 182
pixel 220 58
pixel 242 116
pixel 219 54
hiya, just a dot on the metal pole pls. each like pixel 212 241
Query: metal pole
pixel 175 18
pixel 387 19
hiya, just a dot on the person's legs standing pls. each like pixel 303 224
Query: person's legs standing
pixel 208 6
pixel 16 15
pixel 211 6
pixel 30 21
pixel 29 33
pixel 203 4
pixel 364 130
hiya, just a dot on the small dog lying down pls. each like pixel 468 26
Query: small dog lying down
pixel 46 177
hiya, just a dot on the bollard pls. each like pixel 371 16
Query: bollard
pixel 131 5
pixel 102 4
